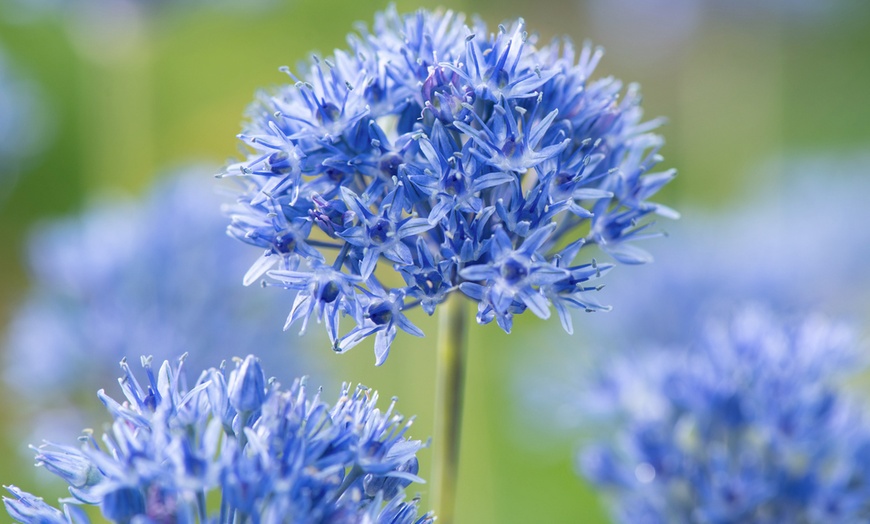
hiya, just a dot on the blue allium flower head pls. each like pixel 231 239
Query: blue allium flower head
pixel 156 275
pixel 748 427
pixel 286 456
pixel 469 161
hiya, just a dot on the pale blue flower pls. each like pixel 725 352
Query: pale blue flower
pixel 750 426
pixel 464 159
pixel 28 508
pixel 126 277
pixel 260 452
pixel 650 32
pixel 793 243
pixel 24 122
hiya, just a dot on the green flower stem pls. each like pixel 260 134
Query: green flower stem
pixel 450 373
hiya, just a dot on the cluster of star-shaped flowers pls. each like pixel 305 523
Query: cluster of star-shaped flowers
pixel 750 427
pixel 469 161
pixel 154 275
pixel 233 447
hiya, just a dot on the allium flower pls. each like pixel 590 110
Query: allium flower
pixel 126 278
pixel 748 427
pixel 467 161
pixel 262 453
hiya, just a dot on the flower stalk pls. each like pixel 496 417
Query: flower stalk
pixel 450 383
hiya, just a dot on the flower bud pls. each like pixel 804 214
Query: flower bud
pixel 247 387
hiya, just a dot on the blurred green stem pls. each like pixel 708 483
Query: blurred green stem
pixel 118 109
pixel 450 377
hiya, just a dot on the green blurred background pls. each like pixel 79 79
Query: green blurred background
pixel 739 84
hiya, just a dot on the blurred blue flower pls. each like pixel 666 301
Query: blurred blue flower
pixel 275 456
pixel 470 161
pixel 154 276
pixel 24 125
pixel 656 31
pixel 749 426
pixel 789 244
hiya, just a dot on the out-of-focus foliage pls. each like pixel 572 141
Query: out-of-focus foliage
pixel 24 122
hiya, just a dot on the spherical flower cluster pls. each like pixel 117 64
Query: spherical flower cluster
pixel 469 161
pixel 261 453
pixel 748 428
pixel 126 278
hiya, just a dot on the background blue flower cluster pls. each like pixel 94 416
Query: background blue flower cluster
pixel 748 425
pixel 794 248
pixel 686 416
pixel 130 278
pixel 24 122
pixel 468 160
